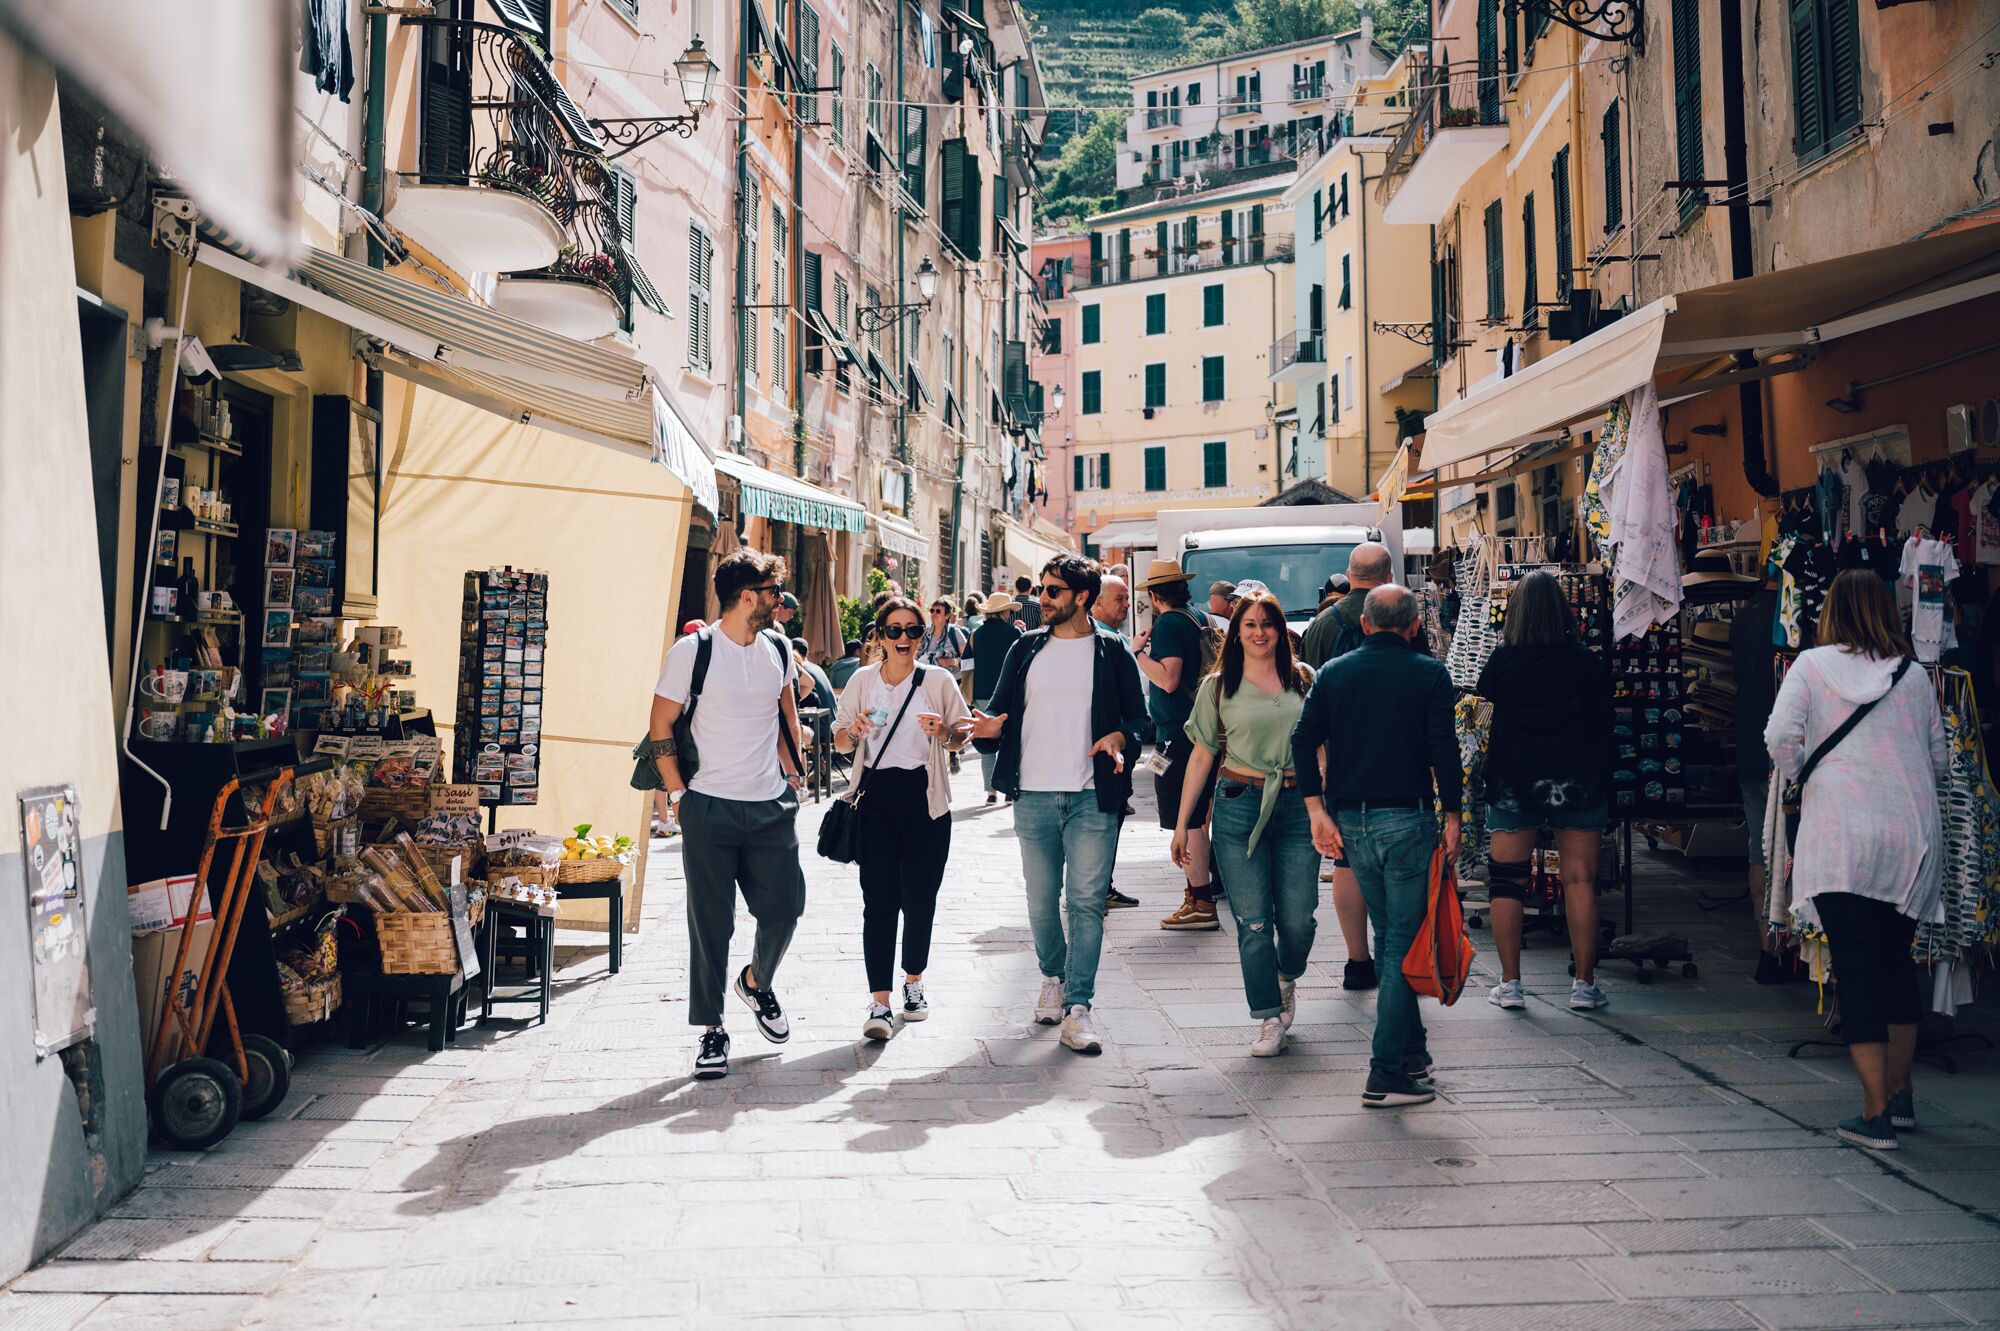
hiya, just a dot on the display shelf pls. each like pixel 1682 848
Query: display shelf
pixel 207 443
pixel 224 618
pixel 186 523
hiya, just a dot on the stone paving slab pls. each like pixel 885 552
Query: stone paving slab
pixel 1659 1165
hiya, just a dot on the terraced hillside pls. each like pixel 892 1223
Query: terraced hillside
pixel 1091 49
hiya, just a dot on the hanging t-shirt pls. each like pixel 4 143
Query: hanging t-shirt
pixel 1767 536
pixel 1919 509
pixel 1878 512
pixel 1985 535
pixel 1855 478
pixel 1809 568
pixel 1785 624
pixel 1928 567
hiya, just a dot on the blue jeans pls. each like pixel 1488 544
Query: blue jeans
pixel 1065 835
pixel 1272 889
pixel 986 760
pixel 1390 853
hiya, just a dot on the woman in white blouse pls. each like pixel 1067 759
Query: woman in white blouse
pixel 906 719
pixel 1865 866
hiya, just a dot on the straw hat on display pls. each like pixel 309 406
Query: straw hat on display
pixel 1713 578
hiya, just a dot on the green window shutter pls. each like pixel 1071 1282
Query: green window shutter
pixel 1347 281
pixel 1808 80
pixel 1614 170
pixel 1160 244
pixel 808 62
pixel 1530 279
pixel 1093 392
pixel 1488 26
pixel 1228 234
pixel 1687 101
pixel 1256 232
pixel 1215 464
pixel 1559 183
pixel 1211 304
pixel 952 220
pixel 1843 61
pixel 974 183
pixel 1093 327
pixel 838 81
pixel 1104 471
pixel 916 132
pixel 1496 266
pixel 1211 379
pixel 1077 482
pixel 1156 314
pixel 1156 468
pixel 1511 42
pixel 1156 385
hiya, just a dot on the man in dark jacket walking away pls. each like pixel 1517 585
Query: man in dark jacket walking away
pixel 1391 712
pixel 1065 725
pixel 990 642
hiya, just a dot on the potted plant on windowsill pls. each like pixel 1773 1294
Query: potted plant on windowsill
pixel 1458 117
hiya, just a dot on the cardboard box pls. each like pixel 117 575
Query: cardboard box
pixel 163 903
pixel 153 956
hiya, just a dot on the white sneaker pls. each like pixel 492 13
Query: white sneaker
pixel 1048 1003
pixel 1585 995
pixel 1079 1032
pixel 1508 994
pixel 1288 1000
pixel 1270 1041
pixel 915 1006
pixel 880 1024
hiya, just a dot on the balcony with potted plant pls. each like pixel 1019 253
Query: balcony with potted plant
pixel 588 289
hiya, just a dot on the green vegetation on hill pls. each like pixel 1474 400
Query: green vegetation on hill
pixel 1090 50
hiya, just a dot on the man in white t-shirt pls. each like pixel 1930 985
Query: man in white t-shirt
pixel 736 681
pixel 1065 723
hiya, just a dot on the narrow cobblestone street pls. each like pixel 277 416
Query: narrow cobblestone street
pixel 1657 1166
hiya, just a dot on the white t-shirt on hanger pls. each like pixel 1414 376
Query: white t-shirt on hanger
pixel 1928 567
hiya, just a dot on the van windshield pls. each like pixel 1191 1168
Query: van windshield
pixel 1294 573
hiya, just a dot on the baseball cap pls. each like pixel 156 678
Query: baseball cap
pixel 790 601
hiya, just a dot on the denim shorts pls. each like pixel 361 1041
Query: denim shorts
pixel 1561 804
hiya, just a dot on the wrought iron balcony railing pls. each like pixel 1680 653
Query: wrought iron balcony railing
pixel 1302 348
pixel 1209 257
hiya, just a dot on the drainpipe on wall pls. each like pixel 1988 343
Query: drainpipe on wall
pixel 1742 261
pixel 902 131
pixel 795 247
pixel 1363 391
pixel 958 451
pixel 1271 404
pixel 742 222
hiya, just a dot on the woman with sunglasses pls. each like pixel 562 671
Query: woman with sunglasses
pixel 905 719
pixel 1243 718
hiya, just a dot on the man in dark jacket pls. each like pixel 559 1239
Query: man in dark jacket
pixel 990 641
pixel 1065 716
pixel 1336 630
pixel 1391 712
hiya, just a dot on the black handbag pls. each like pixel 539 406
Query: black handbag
pixel 840 829
pixel 1792 797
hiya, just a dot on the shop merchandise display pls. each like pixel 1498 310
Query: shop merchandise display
pixel 1647 695
pixel 298 627
pixel 1927 568
pixel 503 635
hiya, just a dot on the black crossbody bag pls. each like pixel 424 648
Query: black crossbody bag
pixel 840 829
pixel 1794 792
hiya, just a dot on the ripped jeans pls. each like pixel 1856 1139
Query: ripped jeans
pixel 1273 889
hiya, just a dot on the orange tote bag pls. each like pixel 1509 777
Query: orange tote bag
pixel 1440 958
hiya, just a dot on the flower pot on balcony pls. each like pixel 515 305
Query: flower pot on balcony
pixel 560 302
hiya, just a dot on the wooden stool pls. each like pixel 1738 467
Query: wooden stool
pixel 540 929
pixel 444 993
pixel 611 890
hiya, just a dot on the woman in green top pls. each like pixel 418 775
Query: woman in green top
pixel 1244 714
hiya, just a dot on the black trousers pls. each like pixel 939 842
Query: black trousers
pixel 1870 942
pixel 901 856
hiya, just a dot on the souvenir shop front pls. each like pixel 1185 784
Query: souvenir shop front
pixel 395 621
pixel 1869 395
pixel 817 531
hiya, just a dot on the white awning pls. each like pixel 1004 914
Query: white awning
pixel 782 498
pixel 1027 551
pixel 900 537
pixel 1136 534
pixel 1767 314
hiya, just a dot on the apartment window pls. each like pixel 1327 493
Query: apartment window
pixel 749 282
pixel 1687 101
pixel 1156 467
pixel 1318 430
pixel 808 102
pixel 1530 279
pixel 781 316
pixel 1211 378
pixel 872 85
pixel 1487 31
pixel 1093 330
pixel 1496 266
pixel 1329 401
pixel 1347 378
pixel 1156 384
pixel 843 301
pixel 1347 281
pixel 1559 187
pixel 1614 175
pixel 1194 94
pixel 875 334
pixel 1156 314
pixel 701 297
pixel 1319 216
pixel 1215 464
pixel 1211 303
pixel 1092 393
pixel 1052 338
pixel 1091 471
pixel 1826 74
pixel 837 99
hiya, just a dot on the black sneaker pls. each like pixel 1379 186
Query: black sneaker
pixel 1418 1067
pixel 915 1006
pixel 1358 974
pixel 1116 900
pixel 1384 1095
pixel 712 1059
pixel 1773 969
pixel 770 1017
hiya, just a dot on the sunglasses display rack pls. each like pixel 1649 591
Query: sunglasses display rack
pixel 503 633
pixel 1648 725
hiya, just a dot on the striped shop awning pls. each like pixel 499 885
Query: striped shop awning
pixel 782 498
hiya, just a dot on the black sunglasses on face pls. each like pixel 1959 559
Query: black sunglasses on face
pixel 1051 590
pixel 894 631
pixel 770 589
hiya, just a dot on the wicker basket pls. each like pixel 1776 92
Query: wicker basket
pixel 324 834
pixel 439 856
pixel 407 803
pixel 589 871
pixel 534 875
pixel 316 1002
pixel 416 943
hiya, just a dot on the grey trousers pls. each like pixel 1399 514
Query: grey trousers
pixel 751 845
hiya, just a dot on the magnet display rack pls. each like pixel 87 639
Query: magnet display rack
pixel 503 636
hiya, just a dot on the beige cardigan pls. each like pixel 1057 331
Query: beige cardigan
pixel 940 695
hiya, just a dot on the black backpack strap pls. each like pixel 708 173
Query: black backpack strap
pixel 1854 718
pixel 916 687
pixel 704 647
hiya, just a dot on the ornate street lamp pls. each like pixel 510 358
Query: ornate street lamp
pixel 696 73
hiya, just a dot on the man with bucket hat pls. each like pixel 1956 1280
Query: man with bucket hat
pixel 1172 655
pixel 990 641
